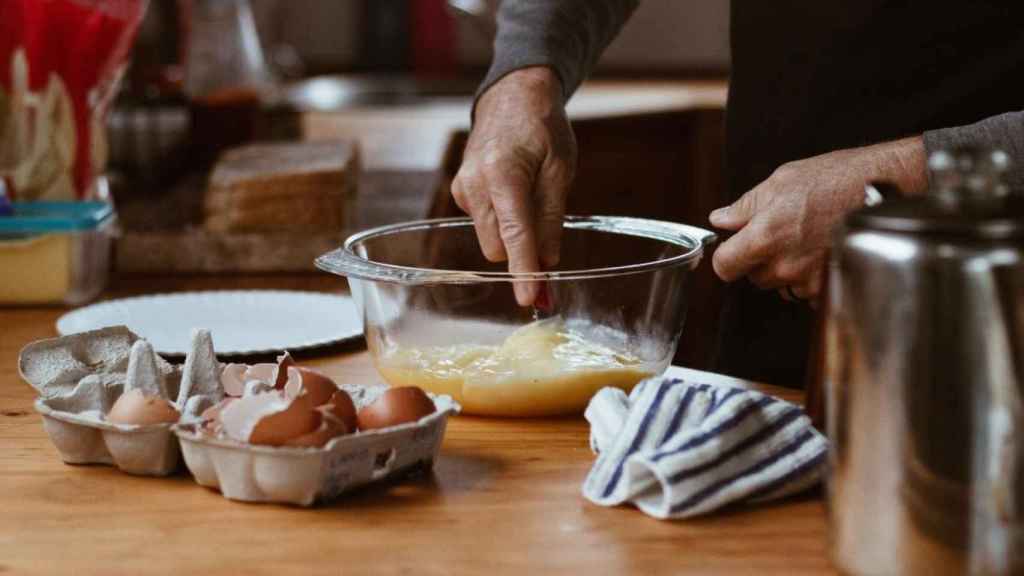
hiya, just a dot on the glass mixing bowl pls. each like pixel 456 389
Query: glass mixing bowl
pixel 438 315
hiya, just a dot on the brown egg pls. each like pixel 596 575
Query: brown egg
pixel 330 427
pixel 395 406
pixel 277 428
pixel 343 408
pixel 270 418
pixel 134 407
pixel 319 385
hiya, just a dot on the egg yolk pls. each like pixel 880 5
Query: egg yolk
pixel 542 368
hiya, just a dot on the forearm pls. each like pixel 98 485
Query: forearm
pixel 1004 132
pixel 565 35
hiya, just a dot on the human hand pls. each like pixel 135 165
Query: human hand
pixel 519 162
pixel 783 225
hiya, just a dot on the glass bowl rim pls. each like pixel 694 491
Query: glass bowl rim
pixel 344 261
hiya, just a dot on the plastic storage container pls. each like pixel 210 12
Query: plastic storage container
pixel 55 252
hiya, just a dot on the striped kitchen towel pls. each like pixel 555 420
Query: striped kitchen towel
pixel 677 450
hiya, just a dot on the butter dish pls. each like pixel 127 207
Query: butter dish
pixel 56 252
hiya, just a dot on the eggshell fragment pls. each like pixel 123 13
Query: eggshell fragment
pixel 319 387
pixel 343 408
pixel 330 427
pixel 233 379
pixel 395 406
pixel 135 407
pixel 284 362
pixel 253 387
pixel 271 418
pixel 263 372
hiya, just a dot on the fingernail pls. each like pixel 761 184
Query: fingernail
pixel 718 214
pixel 523 292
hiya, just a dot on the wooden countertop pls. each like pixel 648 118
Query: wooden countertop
pixel 504 498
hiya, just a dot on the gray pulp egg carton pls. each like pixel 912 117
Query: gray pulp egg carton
pixel 80 376
pixel 302 476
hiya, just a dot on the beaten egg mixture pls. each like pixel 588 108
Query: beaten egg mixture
pixel 542 368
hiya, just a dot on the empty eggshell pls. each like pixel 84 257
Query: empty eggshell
pixel 271 418
pixel 233 379
pixel 330 427
pixel 395 406
pixel 319 387
pixel 264 371
pixel 253 387
pixel 284 362
pixel 343 408
pixel 135 407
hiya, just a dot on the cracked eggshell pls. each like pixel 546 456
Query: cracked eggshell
pixel 305 475
pixel 319 387
pixel 233 379
pixel 263 372
pixel 253 387
pixel 280 377
pixel 330 427
pixel 271 418
pixel 343 408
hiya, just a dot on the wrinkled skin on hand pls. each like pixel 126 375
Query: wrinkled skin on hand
pixel 517 168
pixel 784 225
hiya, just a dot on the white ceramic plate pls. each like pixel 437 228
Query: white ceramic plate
pixel 242 322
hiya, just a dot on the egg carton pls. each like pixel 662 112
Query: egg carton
pixel 79 377
pixel 303 476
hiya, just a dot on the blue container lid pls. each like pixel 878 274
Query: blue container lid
pixel 45 217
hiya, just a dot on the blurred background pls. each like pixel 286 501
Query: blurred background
pixel 664 37
pixel 367 102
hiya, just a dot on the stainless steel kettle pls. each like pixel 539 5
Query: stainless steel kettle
pixel 924 377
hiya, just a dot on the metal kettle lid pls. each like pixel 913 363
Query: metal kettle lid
pixel 967 198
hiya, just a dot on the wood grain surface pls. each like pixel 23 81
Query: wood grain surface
pixel 504 498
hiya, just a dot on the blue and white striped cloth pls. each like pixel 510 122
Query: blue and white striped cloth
pixel 677 450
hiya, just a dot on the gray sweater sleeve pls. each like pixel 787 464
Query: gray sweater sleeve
pixel 567 35
pixel 1004 132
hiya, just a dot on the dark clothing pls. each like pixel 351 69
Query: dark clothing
pixel 808 78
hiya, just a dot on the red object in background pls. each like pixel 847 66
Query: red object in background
pixel 543 300
pixel 434 39
pixel 84 42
